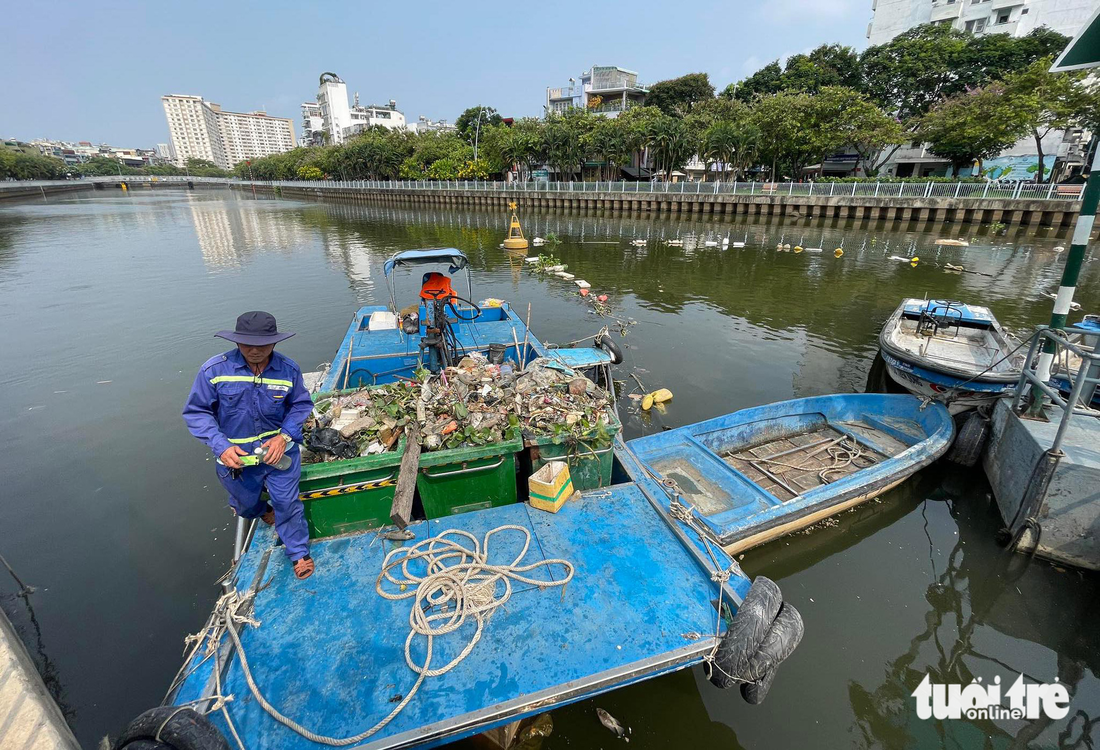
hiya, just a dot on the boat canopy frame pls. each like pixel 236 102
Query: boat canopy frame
pixel 455 259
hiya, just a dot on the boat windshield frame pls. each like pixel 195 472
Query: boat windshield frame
pixel 455 259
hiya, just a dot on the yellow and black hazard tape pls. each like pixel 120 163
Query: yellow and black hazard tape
pixel 348 489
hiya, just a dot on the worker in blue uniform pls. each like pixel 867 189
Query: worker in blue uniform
pixel 252 397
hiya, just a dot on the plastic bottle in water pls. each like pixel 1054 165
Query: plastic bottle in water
pixel 284 462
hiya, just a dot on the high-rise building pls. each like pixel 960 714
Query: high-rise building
pixel 1015 17
pixel 332 120
pixel 605 89
pixel 203 130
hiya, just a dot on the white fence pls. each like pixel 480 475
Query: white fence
pixel 974 190
pixel 978 190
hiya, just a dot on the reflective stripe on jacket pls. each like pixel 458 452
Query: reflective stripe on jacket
pixel 228 405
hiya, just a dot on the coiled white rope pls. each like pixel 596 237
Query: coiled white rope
pixel 451 581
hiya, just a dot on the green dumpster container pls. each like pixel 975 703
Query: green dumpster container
pixel 471 478
pixel 589 465
pixel 350 495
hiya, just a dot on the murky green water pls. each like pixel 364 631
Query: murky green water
pixel 109 508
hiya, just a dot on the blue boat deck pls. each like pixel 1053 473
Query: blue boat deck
pixel 329 651
pixel 380 355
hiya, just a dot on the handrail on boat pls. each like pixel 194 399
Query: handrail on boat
pixel 1079 394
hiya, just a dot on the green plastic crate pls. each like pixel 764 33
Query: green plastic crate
pixel 590 468
pixel 471 478
pixel 355 494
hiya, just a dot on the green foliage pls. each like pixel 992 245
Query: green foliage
pixel 16 165
pixel 103 166
pixel 310 172
pixel 677 95
pixel 467 122
pixel 204 168
pixel 974 126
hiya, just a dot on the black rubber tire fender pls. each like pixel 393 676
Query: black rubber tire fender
pixel 746 633
pixel 609 346
pixel 754 693
pixel 783 637
pixel 180 729
pixel 970 440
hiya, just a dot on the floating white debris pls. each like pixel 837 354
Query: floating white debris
pixel 555 269
pixel 1059 249
pixel 638 243
pixel 675 243
pixel 531 260
pixel 1074 306
pixel 565 275
pixel 582 283
pixel 812 250
pixel 953 243
pixel 737 244
pixel 538 241
pixel 710 243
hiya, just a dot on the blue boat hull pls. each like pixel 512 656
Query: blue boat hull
pixel 743 496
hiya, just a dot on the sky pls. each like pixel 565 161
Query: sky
pixel 95 71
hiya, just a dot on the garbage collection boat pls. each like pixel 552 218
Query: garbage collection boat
pixel 391 643
pixel 950 352
pixel 761 473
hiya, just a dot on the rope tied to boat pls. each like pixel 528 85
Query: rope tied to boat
pixel 450 583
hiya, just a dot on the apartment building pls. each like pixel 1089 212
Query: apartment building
pixel 203 130
pixel 606 89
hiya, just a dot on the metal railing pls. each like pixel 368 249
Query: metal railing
pixel 1082 383
pixel 965 190
pixel 134 179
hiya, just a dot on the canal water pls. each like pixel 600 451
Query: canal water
pixel 111 510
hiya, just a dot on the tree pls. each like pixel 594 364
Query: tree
pixel 1052 101
pixel 916 69
pixel 102 166
pixel 17 165
pixel 767 80
pixel 467 122
pixel 204 168
pixel 828 65
pixel 781 120
pixel 843 117
pixel 974 126
pixel 310 173
pixel 677 95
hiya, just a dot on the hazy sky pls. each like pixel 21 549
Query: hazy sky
pixel 95 71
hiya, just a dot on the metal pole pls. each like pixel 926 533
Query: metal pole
pixel 1075 258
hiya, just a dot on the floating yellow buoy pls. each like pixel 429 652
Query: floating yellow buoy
pixel 798 248
pixel 515 239
pixel 914 260
pixel 837 253
pixel 658 396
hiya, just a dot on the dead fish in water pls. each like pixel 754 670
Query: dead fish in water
pixel 609 721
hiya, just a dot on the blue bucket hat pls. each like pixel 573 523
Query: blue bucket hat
pixel 256 328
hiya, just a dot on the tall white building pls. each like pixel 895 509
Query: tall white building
pixel 203 130
pixel 617 89
pixel 1015 17
pixel 339 120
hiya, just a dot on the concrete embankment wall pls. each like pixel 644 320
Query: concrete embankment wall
pixel 29 717
pixel 1057 214
pixel 13 191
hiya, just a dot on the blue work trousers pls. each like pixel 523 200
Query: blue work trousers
pixel 282 486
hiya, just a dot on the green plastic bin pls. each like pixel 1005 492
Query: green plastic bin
pixel 349 495
pixel 471 478
pixel 590 468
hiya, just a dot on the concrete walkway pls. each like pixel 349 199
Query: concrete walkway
pixel 29 718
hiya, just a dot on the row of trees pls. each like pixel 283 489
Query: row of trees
pixel 18 165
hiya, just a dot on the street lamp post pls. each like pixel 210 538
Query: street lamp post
pixel 477 130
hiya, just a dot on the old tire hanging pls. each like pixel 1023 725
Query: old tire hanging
pixel 178 729
pixel 604 342
pixel 762 634
pixel 970 440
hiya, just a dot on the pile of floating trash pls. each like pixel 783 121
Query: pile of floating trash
pixel 475 402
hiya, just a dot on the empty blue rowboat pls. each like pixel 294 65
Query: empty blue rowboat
pixel 951 352
pixel 761 473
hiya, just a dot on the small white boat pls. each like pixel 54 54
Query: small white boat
pixel 674 243
pixel 638 243
pixel 951 352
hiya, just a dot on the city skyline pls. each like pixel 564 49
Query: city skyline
pixel 435 62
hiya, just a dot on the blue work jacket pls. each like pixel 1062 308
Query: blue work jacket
pixel 229 405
